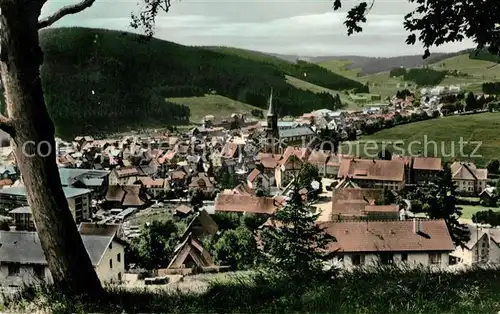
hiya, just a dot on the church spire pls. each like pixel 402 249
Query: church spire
pixel 271 111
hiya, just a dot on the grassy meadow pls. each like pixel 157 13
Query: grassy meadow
pixel 216 105
pixel 478 72
pixel 446 132
pixel 380 290
pixel 298 83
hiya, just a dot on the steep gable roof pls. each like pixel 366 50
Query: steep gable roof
pixel 193 248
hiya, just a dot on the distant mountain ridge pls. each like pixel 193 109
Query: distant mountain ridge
pixel 372 65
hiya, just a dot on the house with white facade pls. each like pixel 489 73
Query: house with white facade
pixel 365 243
pixel 22 261
pixel 483 246
pixel 469 179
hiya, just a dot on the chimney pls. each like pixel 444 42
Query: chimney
pixel 416 225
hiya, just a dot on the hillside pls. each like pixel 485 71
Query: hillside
pixel 203 105
pixel 111 81
pixel 446 132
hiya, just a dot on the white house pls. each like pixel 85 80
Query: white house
pixel 469 179
pixel 483 247
pixel 416 242
pixel 22 261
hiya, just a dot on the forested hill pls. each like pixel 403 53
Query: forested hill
pixel 101 80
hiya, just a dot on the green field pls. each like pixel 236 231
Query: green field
pixel 469 210
pixel 318 89
pixel 340 67
pixel 445 132
pixel 478 71
pixel 217 105
pixel 384 85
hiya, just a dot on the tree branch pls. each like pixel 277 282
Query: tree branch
pixel 67 10
pixel 6 125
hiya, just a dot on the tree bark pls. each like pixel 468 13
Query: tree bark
pixel 33 142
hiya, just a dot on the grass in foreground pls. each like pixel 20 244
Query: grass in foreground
pixel 216 105
pixel 478 130
pixel 384 290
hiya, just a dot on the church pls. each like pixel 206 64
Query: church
pixel 278 138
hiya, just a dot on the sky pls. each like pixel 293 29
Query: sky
pixel 303 28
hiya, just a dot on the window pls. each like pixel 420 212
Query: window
pixel 39 271
pixel 110 263
pixel 13 269
pixel 386 258
pixel 358 259
pixel 119 276
pixel 434 258
pixel 404 257
pixel 119 258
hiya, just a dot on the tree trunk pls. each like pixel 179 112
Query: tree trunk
pixel 34 147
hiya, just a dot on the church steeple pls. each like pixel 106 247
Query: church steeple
pixel 272 131
pixel 271 111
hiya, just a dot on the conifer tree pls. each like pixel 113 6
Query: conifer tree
pixel 295 247
pixel 441 200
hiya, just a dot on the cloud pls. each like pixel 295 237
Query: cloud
pixel 311 34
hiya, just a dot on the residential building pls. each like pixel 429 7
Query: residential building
pixel 23 218
pixel 319 159
pixel 257 179
pixel 292 161
pixel 123 196
pixel 238 203
pixel 469 179
pixel 489 197
pixel 425 169
pixel 191 253
pixel 202 182
pixel 482 247
pixel 125 176
pixel 154 187
pixel 78 200
pixel 352 203
pixel 95 180
pixel 413 243
pixel 22 261
pixel 374 173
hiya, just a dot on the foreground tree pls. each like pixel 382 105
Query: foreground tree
pixel 155 245
pixel 296 247
pixel 236 248
pixel 30 126
pixel 440 202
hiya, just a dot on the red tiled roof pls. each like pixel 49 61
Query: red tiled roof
pixel 394 208
pixel 366 169
pixel 246 203
pixel 388 236
pixel 352 202
pixel 253 175
pixel 427 163
pixel 318 157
